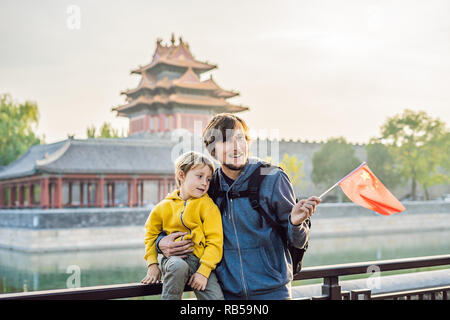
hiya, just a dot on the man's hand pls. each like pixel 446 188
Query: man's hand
pixel 169 247
pixel 198 282
pixel 304 209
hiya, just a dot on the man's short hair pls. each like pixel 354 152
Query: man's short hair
pixel 219 127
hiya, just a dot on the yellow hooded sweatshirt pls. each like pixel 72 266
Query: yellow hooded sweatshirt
pixel 199 217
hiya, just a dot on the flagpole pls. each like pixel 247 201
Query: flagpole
pixel 328 190
pixel 341 180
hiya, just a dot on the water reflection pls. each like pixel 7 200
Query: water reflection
pixel 29 272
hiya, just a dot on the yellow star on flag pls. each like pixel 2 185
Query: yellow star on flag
pixel 365 175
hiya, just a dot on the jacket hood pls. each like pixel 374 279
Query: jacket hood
pixel 174 195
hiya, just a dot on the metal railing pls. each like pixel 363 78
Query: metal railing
pixel 331 288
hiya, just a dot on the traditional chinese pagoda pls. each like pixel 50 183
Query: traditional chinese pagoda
pixel 171 95
pixel 132 171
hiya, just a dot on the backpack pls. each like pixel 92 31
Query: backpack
pixel 252 193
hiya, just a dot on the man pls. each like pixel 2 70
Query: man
pixel 255 263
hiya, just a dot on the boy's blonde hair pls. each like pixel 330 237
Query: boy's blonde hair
pixel 190 160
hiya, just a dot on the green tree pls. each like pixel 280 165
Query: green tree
pixel 17 121
pixel 435 168
pixel 293 168
pixel 106 131
pixel 332 162
pixel 419 145
pixel 383 163
pixel 90 131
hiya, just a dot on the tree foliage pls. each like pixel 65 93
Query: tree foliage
pixel 17 122
pixel 382 162
pixel 293 168
pixel 420 147
pixel 106 131
pixel 332 162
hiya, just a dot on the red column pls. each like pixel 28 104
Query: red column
pixel 165 187
pixel 135 191
pixel 2 196
pixel 161 122
pixel 88 191
pixel 81 194
pixel 58 193
pixel 70 194
pixel 108 193
pixel 30 194
pixel 51 194
pixel 176 121
pixel 99 193
pixel 130 202
pixel 44 193
pixel 113 195
pixel 12 196
pixel 21 195
pixel 141 202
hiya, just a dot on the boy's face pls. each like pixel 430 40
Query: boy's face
pixel 233 153
pixel 196 182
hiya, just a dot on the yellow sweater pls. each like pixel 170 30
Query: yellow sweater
pixel 199 217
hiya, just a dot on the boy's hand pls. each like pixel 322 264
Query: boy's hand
pixel 153 274
pixel 198 282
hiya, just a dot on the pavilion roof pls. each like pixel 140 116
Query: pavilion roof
pixel 96 156
pixel 175 55
pixel 181 99
pixel 188 80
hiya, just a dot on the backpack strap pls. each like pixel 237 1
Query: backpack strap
pixel 254 185
pixel 215 191
pixel 214 186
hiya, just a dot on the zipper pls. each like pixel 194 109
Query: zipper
pixel 239 250
pixel 181 217
pixel 231 215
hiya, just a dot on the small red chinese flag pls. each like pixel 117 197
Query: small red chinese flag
pixel 363 188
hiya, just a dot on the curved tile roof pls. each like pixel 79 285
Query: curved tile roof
pixel 118 156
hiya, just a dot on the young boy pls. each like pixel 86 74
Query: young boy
pixel 188 209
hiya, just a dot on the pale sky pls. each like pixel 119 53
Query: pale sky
pixel 309 69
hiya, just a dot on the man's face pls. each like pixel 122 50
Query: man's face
pixel 233 153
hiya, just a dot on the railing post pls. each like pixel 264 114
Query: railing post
pixel 331 288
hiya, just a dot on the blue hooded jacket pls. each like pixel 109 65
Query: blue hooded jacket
pixel 255 263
